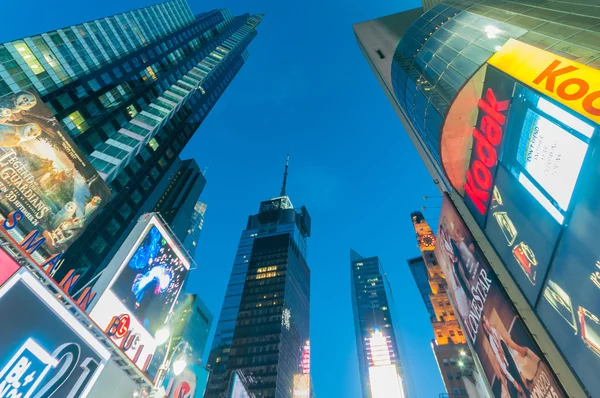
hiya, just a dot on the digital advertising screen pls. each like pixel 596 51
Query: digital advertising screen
pixel 546 149
pixel 142 292
pixel 570 302
pixel 8 266
pixel 511 360
pixel 45 351
pixel 44 176
pixel 524 246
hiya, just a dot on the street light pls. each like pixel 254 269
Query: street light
pixel 463 353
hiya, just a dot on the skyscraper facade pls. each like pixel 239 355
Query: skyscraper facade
pixel 449 344
pixel 197 222
pixel 130 89
pixel 382 372
pixel 500 100
pixel 264 323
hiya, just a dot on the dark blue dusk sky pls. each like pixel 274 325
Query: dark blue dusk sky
pixel 306 89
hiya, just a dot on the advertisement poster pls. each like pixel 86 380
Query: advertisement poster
pixel 43 175
pixel 510 359
pixel 8 266
pixel 45 351
pixel 150 282
pixel 524 247
pixel 143 290
pixel 570 304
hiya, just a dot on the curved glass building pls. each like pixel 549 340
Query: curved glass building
pixel 502 101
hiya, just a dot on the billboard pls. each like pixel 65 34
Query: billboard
pixel 135 299
pixel 511 360
pixel 47 186
pixel 182 386
pixel 45 351
pixel 570 303
pixel 8 266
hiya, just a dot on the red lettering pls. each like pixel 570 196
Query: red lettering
pixel 492 130
pixel 147 363
pixel 582 85
pixel 482 174
pixel 550 73
pixel 478 196
pixel 588 103
pixel 485 151
pixel 493 107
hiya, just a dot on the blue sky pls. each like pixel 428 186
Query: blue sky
pixel 306 89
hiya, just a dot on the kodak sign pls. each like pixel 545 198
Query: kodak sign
pixel 574 85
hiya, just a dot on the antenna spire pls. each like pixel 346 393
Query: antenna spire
pixel 287 162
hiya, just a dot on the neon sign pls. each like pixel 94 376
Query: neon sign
pixel 487 138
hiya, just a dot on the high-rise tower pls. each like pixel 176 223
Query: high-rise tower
pixel 130 89
pixel 263 328
pixel 380 362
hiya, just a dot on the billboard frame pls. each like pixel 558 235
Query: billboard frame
pixel 553 356
pixel 26 261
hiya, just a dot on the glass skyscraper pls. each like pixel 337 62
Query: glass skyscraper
pixel 193 234
pixel 383 370
pixel 263 328
pixel 131 90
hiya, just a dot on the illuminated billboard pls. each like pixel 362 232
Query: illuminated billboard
pixel 47 186
pixel 45 351
pixel 8 266
pixel 511 360
pixel 139 289
pixel 570 303
pixel 384 379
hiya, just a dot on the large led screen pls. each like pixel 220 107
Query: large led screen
pixel 511 360
pixel 570 303
pixel 546 149
pixel 142 293
pixel 44 176
pixel 524 246
pixel 45 351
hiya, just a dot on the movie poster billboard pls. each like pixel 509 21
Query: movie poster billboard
pixel 570 303
pixel 148 273
pixel 44 177
pixel 45 351
pixel 511 360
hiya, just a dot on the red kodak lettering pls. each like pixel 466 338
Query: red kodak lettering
pixel 550 73
pixel 477 195
pixel 493 107
pixel 485 151
pixel 582 89
pixel 492 130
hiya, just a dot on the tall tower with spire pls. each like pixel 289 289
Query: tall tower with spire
pixel 263 328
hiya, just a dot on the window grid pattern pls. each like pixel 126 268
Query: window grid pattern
pixel 447 44
pixel 111 156
pixel 57 58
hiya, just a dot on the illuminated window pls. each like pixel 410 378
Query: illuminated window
pixel 78 120
pixel 153 144
pixel 29 58
pixel 132 111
